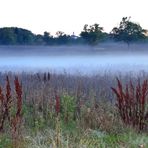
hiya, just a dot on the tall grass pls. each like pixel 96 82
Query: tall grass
pixel 62 110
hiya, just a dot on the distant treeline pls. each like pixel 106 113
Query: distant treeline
pixel 19 36
pixel 127 32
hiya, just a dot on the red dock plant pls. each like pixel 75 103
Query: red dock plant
pixel 8 98
pixel 2 109
pixel 5 104
pixel 132 101
pixel 16 120
pixel 57 104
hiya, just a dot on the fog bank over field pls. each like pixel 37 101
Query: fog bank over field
pixel 101 49
pixel 85 59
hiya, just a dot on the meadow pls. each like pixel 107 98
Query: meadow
pixel 50 110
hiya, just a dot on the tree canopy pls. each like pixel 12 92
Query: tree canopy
pixel 92 34
pixel 19 36
pixel 14 35
pixel 128 31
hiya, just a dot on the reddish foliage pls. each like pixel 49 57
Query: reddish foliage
pixel 2 109
pixel 18 89
pixel 57 104
pixel 8 97
pixel 1 96
pixel 8 89
pixel 5 104
pixel 131 103
pixel 16 120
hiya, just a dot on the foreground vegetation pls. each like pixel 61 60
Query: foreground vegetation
pixel 60 110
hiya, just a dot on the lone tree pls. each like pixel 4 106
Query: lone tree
pixel 92 34
pixel 128 31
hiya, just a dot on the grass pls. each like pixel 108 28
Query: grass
pixel 68 111
pixel 88 138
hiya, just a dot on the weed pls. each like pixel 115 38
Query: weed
pixel 132 102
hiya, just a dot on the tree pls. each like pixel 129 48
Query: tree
pixel 62 38
pixel 39 39
pixel 23 36
pixel 7 36
pixel 16 36
pixel 48 39
pixel 92 34
pixel 128 31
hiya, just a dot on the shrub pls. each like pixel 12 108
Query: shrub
pixel 68 106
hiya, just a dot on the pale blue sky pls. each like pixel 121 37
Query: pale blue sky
pixel 70 15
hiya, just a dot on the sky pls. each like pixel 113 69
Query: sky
pixel 70 15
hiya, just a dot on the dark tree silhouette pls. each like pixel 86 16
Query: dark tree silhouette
pixel 92 34
pixel 14 35
pixel 62 38
pixel 128 31
pixel 48 38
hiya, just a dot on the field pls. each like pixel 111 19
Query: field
pixel 49 110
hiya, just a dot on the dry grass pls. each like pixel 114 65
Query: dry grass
pixel 62 110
